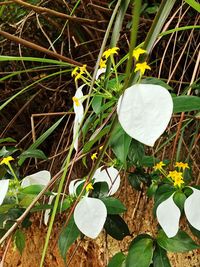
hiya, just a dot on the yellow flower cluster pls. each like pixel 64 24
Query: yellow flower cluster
pixel 106 55
pixel 78 72
pixel 141 67
pixel 174 176
pixel 6 160
pixel 177 178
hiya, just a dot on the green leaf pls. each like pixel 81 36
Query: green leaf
pixel 42 138
pixel 32 189
pixel 117 260
pixel 19 240
pixel 186 103
pixel 182 242
pixel 97 103
pixel 67 237
pixel 160 258
pixel 101 189
pixel 194 231
pixel 120 143
pixel 26 201
pixel 179 199
pixel 194 4
pixel 31 153
pixel 136 152
pixel 113 205
pixel 7 140
pixel 116 227
pixel 140 253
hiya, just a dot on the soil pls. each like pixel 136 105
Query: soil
pixel 95 253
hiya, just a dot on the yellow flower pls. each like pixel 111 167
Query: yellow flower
pixel 142 67
pixel 89 187
pixel 102 64
pixel 101 147
pixel 78 72
pixel 94 156
pixel 110 51
pixel 182 165
pixel 75 71
pixel 175 175
pixel 137 52
pixel 159 166
pixel 178 181
pixel 76 101
pixel 6 160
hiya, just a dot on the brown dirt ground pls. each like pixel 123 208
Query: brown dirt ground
pixel 95 253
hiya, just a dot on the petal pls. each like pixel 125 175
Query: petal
pixel 3 189
pixel 99 72
pixel 90 216
pixel 144 111
pixel 110 176
pixel 191 207
pixel 73 185
pixel 41 178
pixel 47 212
pixel 168 215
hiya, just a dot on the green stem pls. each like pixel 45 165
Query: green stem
pixel 134 30
pixel 13 173
pixel 56 205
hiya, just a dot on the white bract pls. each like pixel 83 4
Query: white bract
pixel 90 213
pixel 110 176
pixel 90 216
pixel 144 111
pixel 99 72
pixel 192 210
pixel 3 189
pixel 168 215
pixel 79 113
pixel 38 178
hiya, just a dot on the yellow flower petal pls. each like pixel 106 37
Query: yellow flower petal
pixel 137 52
pixel 159 166
pixel 182 165
pixel 6 160
pixel 110 51
pixel 89 187
pixel 142 67
pixel 76 101
pixel 94 156
pixel 102 64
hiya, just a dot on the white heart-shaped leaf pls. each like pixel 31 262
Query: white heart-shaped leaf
pixel 40 178
pixel 3 189
pixel 192 210
pixel 144 111
pixel 47 212
pixel 99 72
pixel 110 176
pixel 79 113
pixel 90 216
pixel 73 185
pixel 168 215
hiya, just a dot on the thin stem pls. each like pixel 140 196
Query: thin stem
pixel 135 22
